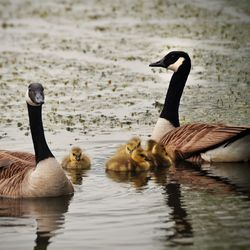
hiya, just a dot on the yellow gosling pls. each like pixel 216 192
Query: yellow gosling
pixel 142 161
pixel 76 160
pixel 119 163
pixel 158 154
pixel 137 161
pixel 130 146
pixel 161 156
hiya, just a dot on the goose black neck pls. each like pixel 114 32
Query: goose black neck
pixel 170 110
pixel 41 148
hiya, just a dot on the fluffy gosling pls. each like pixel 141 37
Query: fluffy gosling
pixel 76 160
pixel 136 162
pixel 129 147
pixel 158 154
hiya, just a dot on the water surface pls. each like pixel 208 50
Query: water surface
pixel 92 58
pixel 185 207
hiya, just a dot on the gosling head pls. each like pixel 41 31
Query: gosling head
pixel 173 61
pixel 160 152
pixel 75 154
pixel 133 144
pixel 150 144
pixel 35 94
pixel 139 155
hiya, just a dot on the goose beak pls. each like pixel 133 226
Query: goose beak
pixel 39 99
pixel 158 64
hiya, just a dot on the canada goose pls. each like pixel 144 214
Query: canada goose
pixel 195 142
pixel 136 162
pixel 158 154
pixel 76 159
pixel 23 175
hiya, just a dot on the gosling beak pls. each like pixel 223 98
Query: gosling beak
pixel 158 64
pixel 129 151
pixel 78 158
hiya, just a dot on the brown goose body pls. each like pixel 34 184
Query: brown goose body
pixel 24 175
pixel 195 142
pixel 20 155
pixel 206 142
pixel 20 178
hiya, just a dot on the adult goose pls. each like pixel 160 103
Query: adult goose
pixel 195 142
pixel 26 175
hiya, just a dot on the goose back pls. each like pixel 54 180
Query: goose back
pixel 192 139
pixel 13 172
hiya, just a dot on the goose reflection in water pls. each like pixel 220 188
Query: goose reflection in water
pixel 47 212
pixel 218 178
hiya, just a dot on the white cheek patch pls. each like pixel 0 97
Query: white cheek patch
pixel 175 66
pixel 28 100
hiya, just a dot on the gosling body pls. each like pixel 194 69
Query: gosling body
pixel 130 157
pixel 158 154
pixel 76 160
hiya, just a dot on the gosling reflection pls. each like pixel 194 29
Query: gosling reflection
pixel 219 179
pixel 48 213
pixel 76 175
pixel 137 179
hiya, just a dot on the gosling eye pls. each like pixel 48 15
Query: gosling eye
pixel 129 150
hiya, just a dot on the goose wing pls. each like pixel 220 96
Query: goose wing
pixel 12 173
pixel 189 140
pixel 19 155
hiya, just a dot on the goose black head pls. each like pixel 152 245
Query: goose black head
pixel 35 95
pixel 172 60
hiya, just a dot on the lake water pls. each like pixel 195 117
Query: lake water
pixel 92 58
pixel 184 207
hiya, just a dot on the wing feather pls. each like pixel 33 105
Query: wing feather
pixel 20 155
pixel 13 171
pixel 188 140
